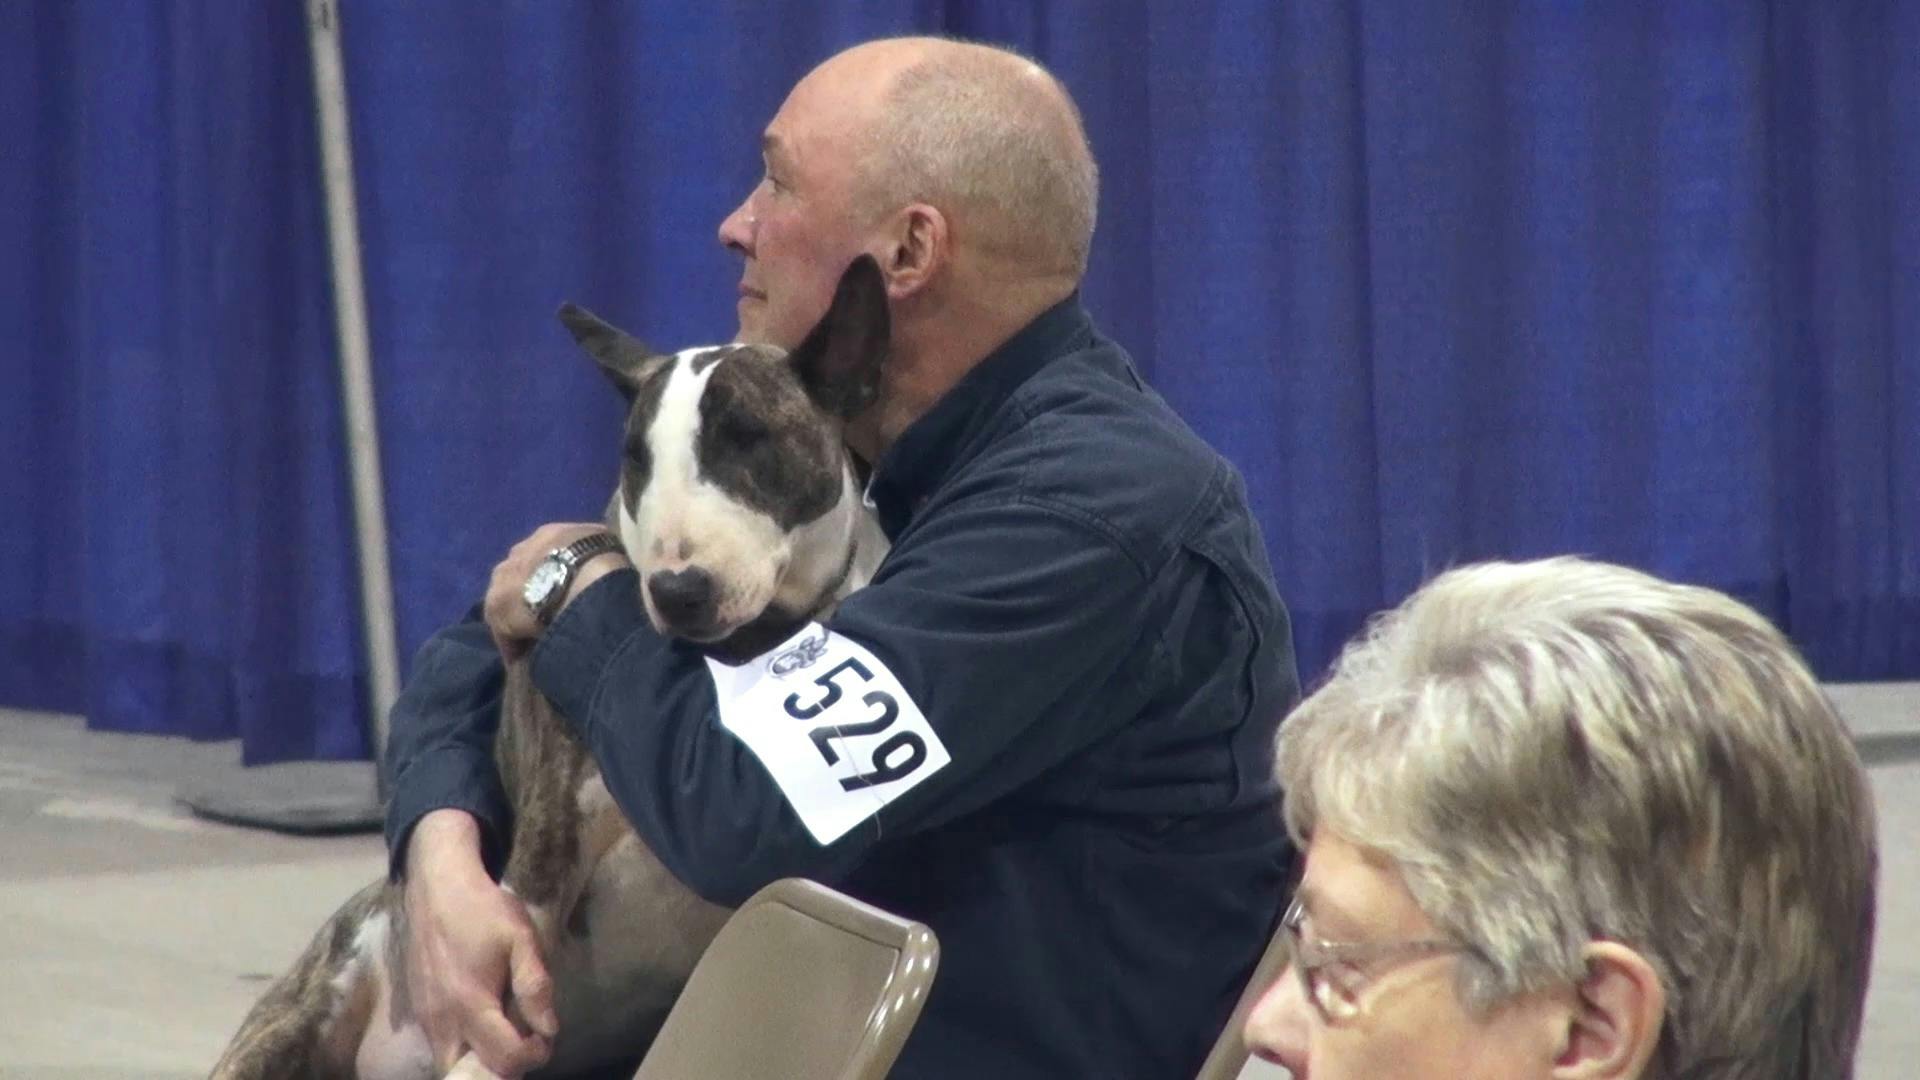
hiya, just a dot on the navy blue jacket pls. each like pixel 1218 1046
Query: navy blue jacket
pixel 1079 601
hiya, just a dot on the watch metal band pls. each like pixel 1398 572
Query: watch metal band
pixel 569 559
pixel 587 547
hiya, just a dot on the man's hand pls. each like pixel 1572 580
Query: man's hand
pixel 468 942
pixel 513 626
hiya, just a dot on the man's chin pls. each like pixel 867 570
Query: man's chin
pixel 753 330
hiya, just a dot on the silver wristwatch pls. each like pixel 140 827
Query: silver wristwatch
pixel 546 587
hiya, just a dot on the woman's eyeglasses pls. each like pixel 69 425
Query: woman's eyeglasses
pixel 1333 974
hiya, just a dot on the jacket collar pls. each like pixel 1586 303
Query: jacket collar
pixel 928 451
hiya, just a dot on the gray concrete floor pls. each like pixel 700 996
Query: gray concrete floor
pixel 136 935
pixel 133 936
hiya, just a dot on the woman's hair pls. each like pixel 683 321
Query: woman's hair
pixel 1562 751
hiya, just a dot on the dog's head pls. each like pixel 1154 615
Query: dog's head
pixel 737 502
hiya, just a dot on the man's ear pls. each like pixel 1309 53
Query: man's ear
pixel 839 362
pixel 918 250
pixel 620 356
pixel 1619 1011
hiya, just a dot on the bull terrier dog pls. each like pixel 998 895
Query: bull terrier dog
pixel 743 513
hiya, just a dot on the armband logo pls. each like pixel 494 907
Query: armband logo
pixel 800 657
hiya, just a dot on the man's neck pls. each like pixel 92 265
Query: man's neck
pixel 935 344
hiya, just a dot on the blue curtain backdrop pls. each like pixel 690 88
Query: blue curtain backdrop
pixel 1448 282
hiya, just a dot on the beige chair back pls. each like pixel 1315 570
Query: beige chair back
pixel 802 983
pixel 1229 1056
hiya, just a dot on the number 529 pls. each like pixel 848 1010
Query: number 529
pixel 896 756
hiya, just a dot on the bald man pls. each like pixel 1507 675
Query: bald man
pixel 1077 601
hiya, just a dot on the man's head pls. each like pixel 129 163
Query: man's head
pixel 961 168
pixel 1623 831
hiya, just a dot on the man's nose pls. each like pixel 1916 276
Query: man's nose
pixel 736 229
pixel 1277 1027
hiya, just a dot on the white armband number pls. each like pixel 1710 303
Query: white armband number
pixel 838 732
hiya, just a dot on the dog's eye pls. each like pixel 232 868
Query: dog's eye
pixel 745 429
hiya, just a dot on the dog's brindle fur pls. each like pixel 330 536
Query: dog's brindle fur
pixel 618 932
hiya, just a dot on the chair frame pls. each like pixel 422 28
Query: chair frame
pixel 916 961
pixel 1229 1055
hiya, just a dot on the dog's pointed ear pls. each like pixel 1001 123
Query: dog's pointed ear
pixel 620 355
pixel 839 362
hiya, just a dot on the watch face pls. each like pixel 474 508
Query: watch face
pixel 544 579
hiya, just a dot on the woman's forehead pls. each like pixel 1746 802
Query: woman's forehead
pixel 1351 890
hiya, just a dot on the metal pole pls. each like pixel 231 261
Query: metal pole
pixel 356 370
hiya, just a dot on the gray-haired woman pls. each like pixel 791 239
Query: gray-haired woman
pixel 1563 819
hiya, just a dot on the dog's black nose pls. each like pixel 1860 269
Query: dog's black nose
pixel 683 597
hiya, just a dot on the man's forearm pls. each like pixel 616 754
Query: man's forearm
pixel 440 748
pixel 644 707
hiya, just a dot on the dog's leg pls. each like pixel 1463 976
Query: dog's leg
pixel 308 1025
pixel 560 834
pixel 556 840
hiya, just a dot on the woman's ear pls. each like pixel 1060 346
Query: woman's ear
pixel 1619 1010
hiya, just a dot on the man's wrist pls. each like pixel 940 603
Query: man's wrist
pixel 443 841
pixel 589 572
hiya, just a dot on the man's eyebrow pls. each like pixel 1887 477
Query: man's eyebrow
pixel 771 146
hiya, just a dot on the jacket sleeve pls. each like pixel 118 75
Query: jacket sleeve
pixel 1010 626
pixel 440 741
